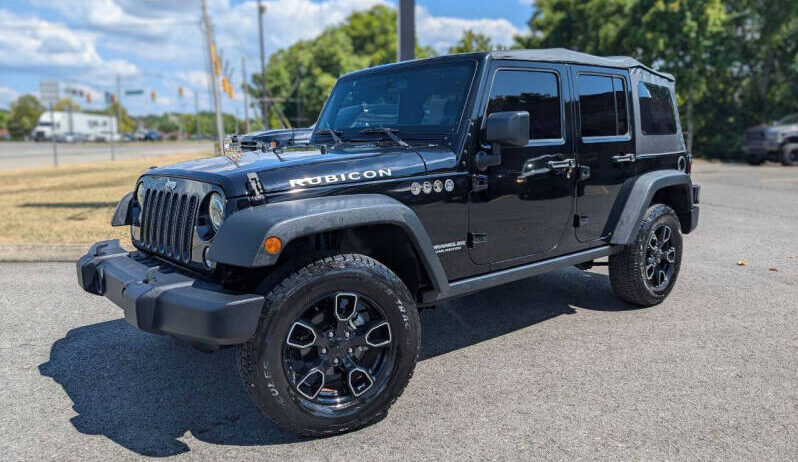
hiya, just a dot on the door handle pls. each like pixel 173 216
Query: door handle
pixel 560 164
pixel 623 158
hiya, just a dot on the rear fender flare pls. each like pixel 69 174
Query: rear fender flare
pixel 640 197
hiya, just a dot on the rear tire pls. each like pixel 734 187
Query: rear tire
pixel 320 365
pixel 789 155
pixel 646 270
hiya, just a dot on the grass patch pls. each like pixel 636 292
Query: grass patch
pixel 70 204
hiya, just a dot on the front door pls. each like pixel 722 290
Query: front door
pixel 526 206
pixel 605 148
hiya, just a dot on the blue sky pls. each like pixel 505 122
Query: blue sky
pixel 156 45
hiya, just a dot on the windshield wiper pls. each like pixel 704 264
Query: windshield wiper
pixel 334 134
pixel 391 132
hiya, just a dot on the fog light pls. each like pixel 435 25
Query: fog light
pixel 273 245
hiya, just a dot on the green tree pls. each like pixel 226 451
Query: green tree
pixel 3 118
pixel 24 115
pixel 300 77
pixel 127 124
pixel 472 41
pixel 67 104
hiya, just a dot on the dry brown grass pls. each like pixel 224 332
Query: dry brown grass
pixel 71 204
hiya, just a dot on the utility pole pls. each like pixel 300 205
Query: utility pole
pixel 196 113
pixel 406 28
pixel 264 105
pixel 244 91
pixel 118 116
pixel 215 81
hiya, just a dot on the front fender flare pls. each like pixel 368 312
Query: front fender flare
pixel 640 197
pixel 240 240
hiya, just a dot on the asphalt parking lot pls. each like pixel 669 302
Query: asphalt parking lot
pixel 30 154
pixel 551 368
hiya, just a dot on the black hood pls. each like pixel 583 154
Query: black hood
pixel 309 168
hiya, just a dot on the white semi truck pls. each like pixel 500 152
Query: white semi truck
pixel 74 126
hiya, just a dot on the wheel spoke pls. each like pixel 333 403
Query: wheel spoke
pixel 359 381
pixel 311 384
pixel 374 335
pixel 345 306
pixel 302 335
pixel 666 234
pixel 670 255
pixel 650 271
pixel 653 242
pixel 661 277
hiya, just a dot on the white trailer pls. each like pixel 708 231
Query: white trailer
pixel 75 125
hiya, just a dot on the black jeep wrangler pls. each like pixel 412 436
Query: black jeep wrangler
pixel 424 180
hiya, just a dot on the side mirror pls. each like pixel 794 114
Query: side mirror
pixel 509 127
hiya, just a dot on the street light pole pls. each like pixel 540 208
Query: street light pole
pixel 406 28
pixel 215 81
pixel 244 91
pixel 264 106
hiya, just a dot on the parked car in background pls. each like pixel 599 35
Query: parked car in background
pixel 777 142
pixel 153 135
pixel 270 139
pixel 71 137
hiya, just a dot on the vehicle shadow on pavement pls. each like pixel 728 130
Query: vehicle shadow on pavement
pixel 152 394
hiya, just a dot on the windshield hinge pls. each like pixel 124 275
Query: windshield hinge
pixel 255 188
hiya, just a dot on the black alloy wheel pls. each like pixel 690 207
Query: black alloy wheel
pixel 660 258
pixel 336 350
pixel 335 346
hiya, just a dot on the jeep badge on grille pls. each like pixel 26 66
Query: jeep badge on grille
pixel 169 185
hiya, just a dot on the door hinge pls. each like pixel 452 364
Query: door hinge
pixel 580 220
pixel 479 183
pixel 476 238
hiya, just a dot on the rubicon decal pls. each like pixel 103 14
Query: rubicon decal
pixel 340 178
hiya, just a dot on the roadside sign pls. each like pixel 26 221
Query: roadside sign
pixel 48 91
pixel 133 92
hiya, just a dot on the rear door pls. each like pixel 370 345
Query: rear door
pixel 604 145
pixel 528 201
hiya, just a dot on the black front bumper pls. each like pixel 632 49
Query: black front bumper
pixel 161 298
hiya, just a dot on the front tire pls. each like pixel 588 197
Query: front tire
pixel 335 346
pixel 646 270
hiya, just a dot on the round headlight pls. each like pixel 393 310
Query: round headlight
pixel 216 210
pixel 140 194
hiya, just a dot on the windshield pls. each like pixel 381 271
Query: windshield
pixel 787 120
pixel 425 99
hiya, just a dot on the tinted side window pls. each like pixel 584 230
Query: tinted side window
pixel 535 92
pixel 656 110
pixel 597 106
pixel 602 105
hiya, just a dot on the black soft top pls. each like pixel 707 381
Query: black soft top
pixel 562 55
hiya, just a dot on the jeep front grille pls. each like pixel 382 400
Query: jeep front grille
pixel 167 224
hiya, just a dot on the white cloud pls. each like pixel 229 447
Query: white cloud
pixel 441 32
pixel 35 44
pixel 7 95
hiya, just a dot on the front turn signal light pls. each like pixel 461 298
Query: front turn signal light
pixel 273 245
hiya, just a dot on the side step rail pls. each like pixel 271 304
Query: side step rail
pixel 477 283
